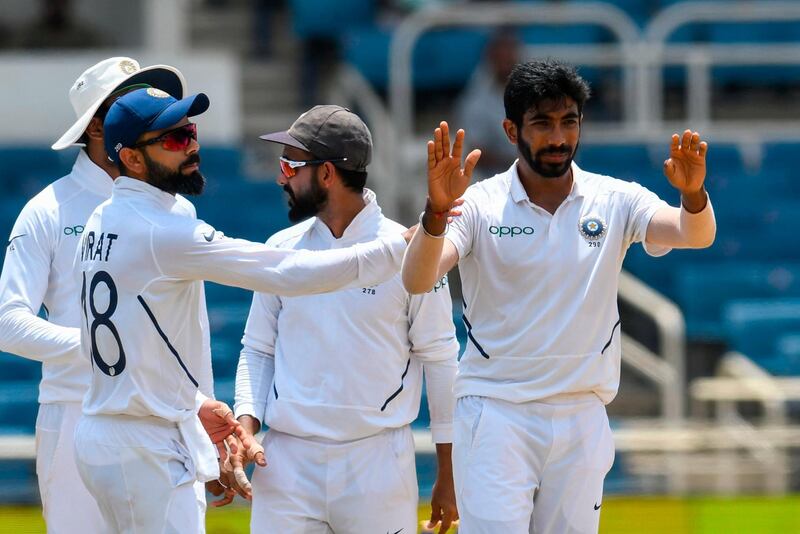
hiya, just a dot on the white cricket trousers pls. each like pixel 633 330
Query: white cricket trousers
pixel 67 506
pixel 365 486
pixel 141 473
pixel 535 467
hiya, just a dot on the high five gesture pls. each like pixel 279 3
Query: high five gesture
pixel 686 168
pixel 447 179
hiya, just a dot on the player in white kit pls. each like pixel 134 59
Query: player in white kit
pixel 38 270
pixel 338 376
pixel 139 446
pixel 539 249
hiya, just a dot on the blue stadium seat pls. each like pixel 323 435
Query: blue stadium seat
pixel 313 18
pixel 627 162
pixel 567 34
pixel 704 289
pixel 755 327
pixel 18 486
pixel 259 208
pixel 15 368
pixel 220 163
pixel 442 59
pixel 789 344
pixel 18 406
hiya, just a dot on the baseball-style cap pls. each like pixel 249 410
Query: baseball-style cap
pixel 329 132
pixel 146 110
pixel 99 81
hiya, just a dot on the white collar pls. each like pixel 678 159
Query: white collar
pixel 89 175
pixel 360 225
pixel 127 187
pixel 518 193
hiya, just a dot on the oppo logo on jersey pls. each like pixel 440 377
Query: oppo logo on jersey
pixel 441 284
pixel 73 230
pixel 510 231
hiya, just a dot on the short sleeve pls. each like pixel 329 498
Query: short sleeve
pixel 461 232
pixel 641 205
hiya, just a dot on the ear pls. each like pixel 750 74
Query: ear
pixel 95 129
pixel 511 130
pixel 327 172
pixel 133 161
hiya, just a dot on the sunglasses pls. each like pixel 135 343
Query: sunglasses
pixel 289 166
pixel 174 140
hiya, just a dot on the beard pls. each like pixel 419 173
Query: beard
pixel 174 181
pixel 308 204
pixel 542 168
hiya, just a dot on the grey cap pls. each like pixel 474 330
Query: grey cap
pixel 329 132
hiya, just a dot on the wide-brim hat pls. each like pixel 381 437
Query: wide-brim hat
pixel 100 81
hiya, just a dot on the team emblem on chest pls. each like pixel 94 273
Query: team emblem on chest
pixel 592 227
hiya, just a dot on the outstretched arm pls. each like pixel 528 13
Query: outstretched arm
pixel 430 255
pixel 693 224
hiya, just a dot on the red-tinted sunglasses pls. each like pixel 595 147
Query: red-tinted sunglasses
pixel 289 166
pixel 175 140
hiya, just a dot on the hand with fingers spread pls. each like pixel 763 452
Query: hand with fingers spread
pixel 447 179
pixel 686 167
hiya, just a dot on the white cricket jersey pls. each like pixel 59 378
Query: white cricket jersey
pixel 540 290
pixel 142 267
pixel 39 269
pixel 348 364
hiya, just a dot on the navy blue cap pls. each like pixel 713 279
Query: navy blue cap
pixel 145 110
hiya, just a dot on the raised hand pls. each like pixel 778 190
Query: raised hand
pixel 686 167
pixel 447 179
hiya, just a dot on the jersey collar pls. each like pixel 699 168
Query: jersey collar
pixel 518 193
pixel 125 186
pixel 90 176
pixel 362 223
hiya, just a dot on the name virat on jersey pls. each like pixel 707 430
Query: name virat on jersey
pixel 92 247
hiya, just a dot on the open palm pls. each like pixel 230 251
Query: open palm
pixel 447 180
pixel 686 167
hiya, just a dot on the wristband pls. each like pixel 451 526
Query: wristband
pixel 440 236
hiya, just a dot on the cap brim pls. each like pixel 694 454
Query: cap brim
pixel 162 77
pixel 187 107
pixel 284 138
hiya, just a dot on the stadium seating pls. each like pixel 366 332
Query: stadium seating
pixel 312 18
pixel 703 290
pixel 442 59
pixel 757 328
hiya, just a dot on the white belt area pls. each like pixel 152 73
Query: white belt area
pixel 188 431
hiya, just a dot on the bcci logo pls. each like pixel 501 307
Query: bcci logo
pixel 127 66
pixel 157 93
pixel 592 227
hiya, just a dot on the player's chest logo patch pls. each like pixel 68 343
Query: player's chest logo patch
pixel 592 227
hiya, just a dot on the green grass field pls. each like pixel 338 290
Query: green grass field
pixel 640 515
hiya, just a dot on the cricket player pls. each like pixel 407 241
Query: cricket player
pixel 338 376
pixel 540 248
pixel 139 445
pixel 38 270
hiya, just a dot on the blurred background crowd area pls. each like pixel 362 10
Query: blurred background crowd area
pixel 710 395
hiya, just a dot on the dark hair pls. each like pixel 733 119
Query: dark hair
pixel 535 81
pixel 353 180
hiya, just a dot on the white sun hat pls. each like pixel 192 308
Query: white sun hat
pixel 99 81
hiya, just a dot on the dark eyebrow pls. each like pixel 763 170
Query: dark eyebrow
pixel 546 116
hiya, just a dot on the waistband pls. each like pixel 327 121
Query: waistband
pixel 125 419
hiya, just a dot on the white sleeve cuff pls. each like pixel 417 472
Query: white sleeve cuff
pixel 442 433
